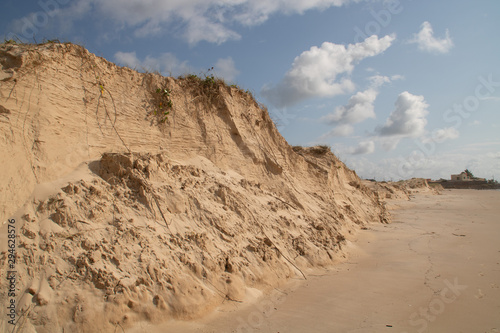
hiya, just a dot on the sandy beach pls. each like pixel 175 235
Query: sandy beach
pixel 436 268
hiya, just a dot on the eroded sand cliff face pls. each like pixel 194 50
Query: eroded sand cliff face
pixel 123 214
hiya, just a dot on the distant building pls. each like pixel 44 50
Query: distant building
pixel 461 177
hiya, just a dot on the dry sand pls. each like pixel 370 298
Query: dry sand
pixel 436 268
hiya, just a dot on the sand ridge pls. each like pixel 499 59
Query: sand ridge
pixel 124 215
pixel 434 269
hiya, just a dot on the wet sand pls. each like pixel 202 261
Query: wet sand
pixel 436 268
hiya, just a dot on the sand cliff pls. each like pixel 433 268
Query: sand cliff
pixel 124 213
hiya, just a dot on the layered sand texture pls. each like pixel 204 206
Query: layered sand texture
pixel 125 214
pixel 436 268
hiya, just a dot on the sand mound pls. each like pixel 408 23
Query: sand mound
pixel 403 189
pixel 139 197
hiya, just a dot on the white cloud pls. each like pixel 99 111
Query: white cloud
pixel 323 71
pixel 254 12
pixel 363 148
pixel 166 63
pixel 408 119
pixel 128 59
pixel 340 130
pixel 397 77
pixel 359 108
pixel 204 29
pixel 427 42
pixel 195 20
pixel 226 69
pixel 389 143
pixel 379 80
pixel 442 134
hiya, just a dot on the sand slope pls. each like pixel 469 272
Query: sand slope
pixel 123 217
pixel 436 268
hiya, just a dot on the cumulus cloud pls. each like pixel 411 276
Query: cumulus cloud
pixel 323 71
pixel 195 20
pixel 428 43
pixel 359 108
pixel 225 68
pixel 408 118
pixel 165 63
pixel 363 148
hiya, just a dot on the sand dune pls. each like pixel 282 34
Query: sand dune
pixel 436 268
pixel 126 213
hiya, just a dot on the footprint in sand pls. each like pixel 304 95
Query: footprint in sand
pixel 479 294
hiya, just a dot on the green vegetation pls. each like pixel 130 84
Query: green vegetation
pixel 206 87
pixel 10 41
pixel 162 103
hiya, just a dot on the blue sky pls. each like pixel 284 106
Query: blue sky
pixel 397 88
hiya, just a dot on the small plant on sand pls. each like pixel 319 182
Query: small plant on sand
pixel 50 41
pixel 206 86
pixel 162 103
pixel 209 77
pixel 160 97
pixel 320 150
pixel 10 41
